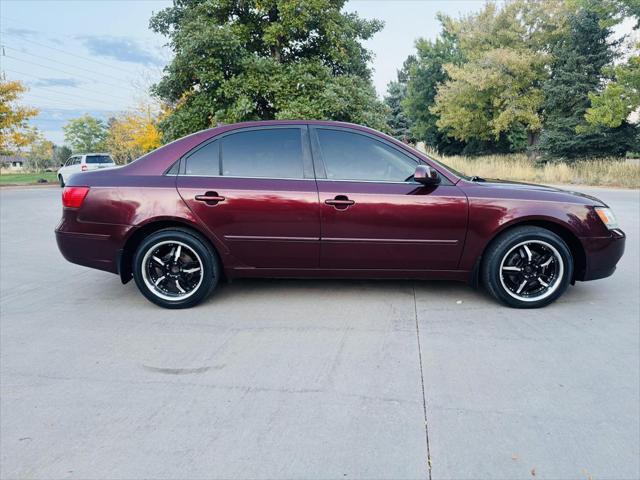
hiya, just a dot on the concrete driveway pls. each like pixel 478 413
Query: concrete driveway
pixel 310 379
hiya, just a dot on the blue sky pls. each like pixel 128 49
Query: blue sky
pixel 100 57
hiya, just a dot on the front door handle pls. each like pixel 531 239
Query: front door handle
pixel 340 202
pixel 210 198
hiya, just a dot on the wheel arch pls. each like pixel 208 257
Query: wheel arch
pixel 563 231
pixel 125 256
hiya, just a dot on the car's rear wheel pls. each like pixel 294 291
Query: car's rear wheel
pixel 527 267
pixel 175 268
pixel 61 180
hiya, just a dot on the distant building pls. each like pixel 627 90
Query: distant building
pixel 12 162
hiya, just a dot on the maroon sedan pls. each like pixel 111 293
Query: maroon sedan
pixel 330 200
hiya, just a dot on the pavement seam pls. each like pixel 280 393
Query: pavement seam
pixel 424 398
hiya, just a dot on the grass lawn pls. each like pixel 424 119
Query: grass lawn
pixel 26 178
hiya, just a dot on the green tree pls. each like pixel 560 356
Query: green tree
pixel 265 59
pixel 425 75
pixel 85 134
pixel 488 98
pixel 38 150
pixel 579 59
pixel 61 154
pixel 611 107
pixel 398 123
pixel 611 12
pixel 495 95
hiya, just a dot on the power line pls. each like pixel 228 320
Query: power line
pixel 64 51
pixel 62 71
pixel 60 103
pixel 62 63
pixel 51 86
pixel 64 102
pixel 106 102
pixel 50 120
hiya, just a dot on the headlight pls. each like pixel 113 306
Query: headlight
pixel 607 217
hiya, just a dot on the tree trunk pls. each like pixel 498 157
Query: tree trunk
pixel 532 140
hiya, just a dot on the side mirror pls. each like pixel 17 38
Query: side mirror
pixel 426 175
pixel 62 164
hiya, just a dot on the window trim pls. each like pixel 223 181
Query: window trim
pixel 308 172
pixel 318 160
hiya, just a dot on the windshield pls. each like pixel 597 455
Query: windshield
pixel 447 167
pixel 441 164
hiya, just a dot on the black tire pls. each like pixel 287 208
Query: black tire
pixel 192 242
pixel 61 181
pixel 502 280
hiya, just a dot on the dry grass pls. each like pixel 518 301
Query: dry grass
pixel 605 172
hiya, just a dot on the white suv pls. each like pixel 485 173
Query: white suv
pixel 83 163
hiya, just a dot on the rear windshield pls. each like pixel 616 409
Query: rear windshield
pixel 99 159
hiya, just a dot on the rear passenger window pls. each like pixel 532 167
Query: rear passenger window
pixel 204 161
pixel 274 153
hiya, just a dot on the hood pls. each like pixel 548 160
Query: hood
pixel 534 191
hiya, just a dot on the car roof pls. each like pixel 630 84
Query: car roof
pixel 158 161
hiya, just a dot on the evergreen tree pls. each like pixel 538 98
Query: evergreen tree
pixel 579 57
pixel 398 123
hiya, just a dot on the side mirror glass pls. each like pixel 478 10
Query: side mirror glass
pixel 426 175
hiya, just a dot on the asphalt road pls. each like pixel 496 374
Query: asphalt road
pixel 310 379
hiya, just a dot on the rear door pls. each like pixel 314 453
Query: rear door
pixel 374 216
pixel 73 165
pixel 255 191
pixel 65 170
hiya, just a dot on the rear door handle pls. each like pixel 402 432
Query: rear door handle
pixel 210 198
pixel 340 202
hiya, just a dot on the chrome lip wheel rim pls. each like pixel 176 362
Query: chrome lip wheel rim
pixel 172 270
pixel 531 270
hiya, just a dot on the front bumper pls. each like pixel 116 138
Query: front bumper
pixel 602 255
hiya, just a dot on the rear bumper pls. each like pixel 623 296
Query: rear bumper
pixel 94 245
pixel 602 255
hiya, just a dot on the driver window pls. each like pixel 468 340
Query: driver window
pixel 351 156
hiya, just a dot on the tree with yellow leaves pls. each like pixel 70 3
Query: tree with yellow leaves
pixel 13 117
pixel 38 151
pixel 133 134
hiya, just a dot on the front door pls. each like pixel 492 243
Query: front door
pixel 254 190
pixel 374 216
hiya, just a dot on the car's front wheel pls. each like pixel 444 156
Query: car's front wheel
pixel 527 267
pixel 175 268
pixel 61 180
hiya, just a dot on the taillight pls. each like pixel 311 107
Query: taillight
pixel 84 168
pixel 72 197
